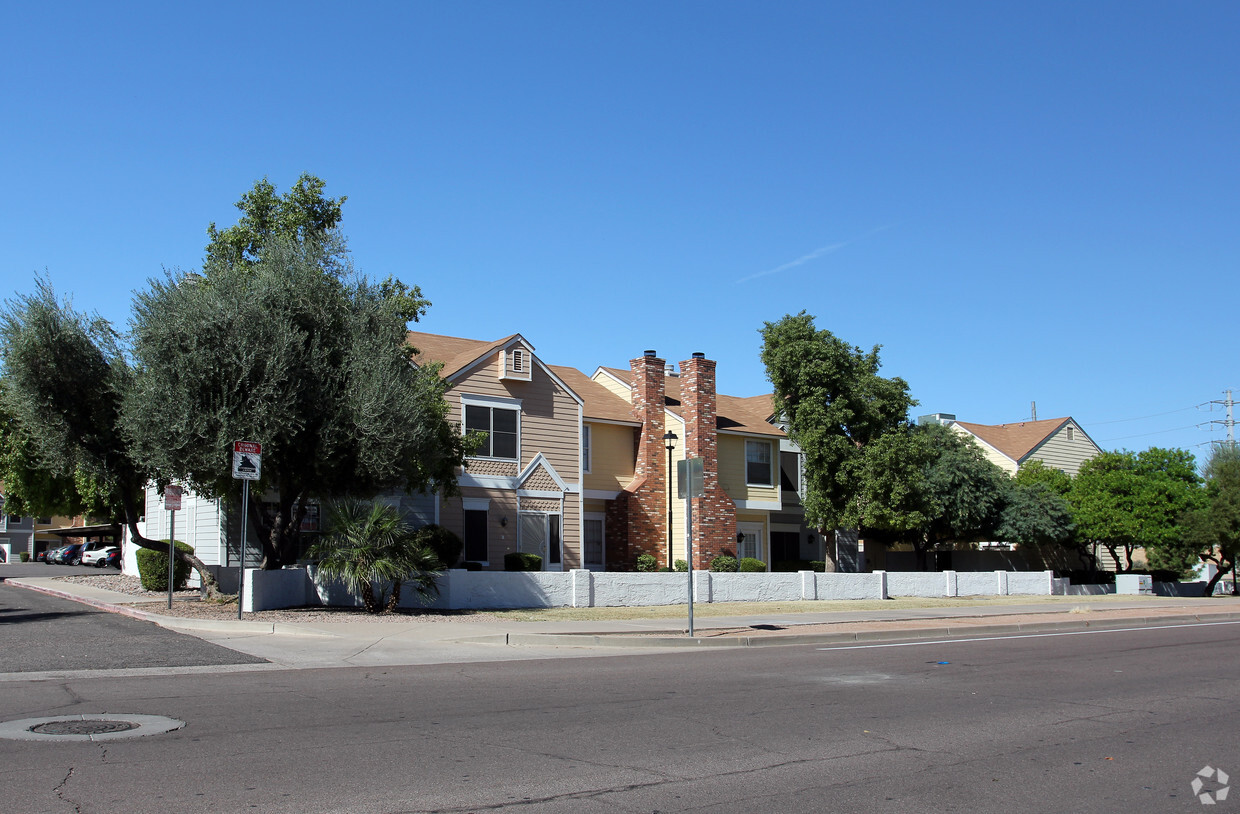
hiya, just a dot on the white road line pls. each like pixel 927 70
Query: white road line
pixel 964 638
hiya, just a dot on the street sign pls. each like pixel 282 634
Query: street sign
pixel 172 498
pixel 247 460
pixel 689 476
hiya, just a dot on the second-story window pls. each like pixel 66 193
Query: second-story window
pixel 585 448
pixel 500 425
pixel 758 463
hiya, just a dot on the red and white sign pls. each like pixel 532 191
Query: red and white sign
pixel 172 497
pixel 247 460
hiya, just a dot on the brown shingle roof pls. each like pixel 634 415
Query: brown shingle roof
pixel 453 351
pixel 1016 440
pixel 599 402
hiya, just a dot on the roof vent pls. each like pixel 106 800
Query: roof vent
pixel 699 355
pixel 669 369
pixel 651 354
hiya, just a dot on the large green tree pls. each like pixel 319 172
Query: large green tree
pixel 1211 532
pixel 64 380
pixel 835 405
pixel 293 349
pixel 1036 516
pixel 931 487
pixel 1124 500
pixel 303 213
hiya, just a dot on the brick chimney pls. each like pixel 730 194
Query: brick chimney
pixel 647 504
pixel 714 516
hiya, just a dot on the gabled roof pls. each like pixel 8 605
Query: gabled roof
pixel 455 352
pixel 599 403
pixel 735 414
pixel 1016 441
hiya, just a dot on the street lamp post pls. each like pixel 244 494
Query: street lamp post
pixel 670 439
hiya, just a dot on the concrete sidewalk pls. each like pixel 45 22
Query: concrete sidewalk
pixel 361 641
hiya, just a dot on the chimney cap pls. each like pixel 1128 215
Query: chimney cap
pixel 699 355
pixel 650 354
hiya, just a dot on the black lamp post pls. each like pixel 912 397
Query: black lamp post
pixel 669 438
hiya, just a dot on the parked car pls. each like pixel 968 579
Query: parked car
pixel 112 560
pixel 42 556
pixel 96 553
pixel 69 555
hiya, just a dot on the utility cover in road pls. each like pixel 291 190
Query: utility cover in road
pixel 247 460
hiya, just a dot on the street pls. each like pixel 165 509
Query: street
pixel 1093 722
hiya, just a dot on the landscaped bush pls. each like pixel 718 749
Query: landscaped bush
pixel 472 566
pixel 153 568
pixel 520 561
pixel 681 565
pixel 751 565
pixel 723 563
pixel 647 562
pixel 446 545
pixel 818 565
pixel 24 556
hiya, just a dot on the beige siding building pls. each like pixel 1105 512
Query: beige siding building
pixel 1059 443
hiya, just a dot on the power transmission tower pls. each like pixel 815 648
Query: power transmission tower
pixel 1229 422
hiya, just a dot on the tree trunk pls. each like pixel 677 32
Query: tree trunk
pixel 368 598
pixel 209 583
pixel 393 601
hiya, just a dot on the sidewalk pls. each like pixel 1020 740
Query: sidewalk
pixel 362 641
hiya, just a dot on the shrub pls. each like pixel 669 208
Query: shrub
pixel 723 563
pixel 24 556
pixel 446 545
pixel 681 565
pixel 663 569
pixel 818 565
pixel 473 566
pixel 520 561
pixel 647 562
pixel 153 568
pixel 751 565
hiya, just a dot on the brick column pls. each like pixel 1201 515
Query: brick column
pixel 714 516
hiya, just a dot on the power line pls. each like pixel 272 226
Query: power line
pixel 1144 417
pixel 1145 434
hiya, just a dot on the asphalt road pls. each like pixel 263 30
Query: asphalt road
pixel 1095 722
pixel 40 633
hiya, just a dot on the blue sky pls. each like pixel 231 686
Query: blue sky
pixel 1020 202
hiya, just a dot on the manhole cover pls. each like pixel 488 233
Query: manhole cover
pixel 95 727
pixel 82 727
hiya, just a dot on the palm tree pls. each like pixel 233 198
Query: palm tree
pixel 369 545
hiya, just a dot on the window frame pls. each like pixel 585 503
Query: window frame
pixel 585 448
pixel 757 444
pixel 491 404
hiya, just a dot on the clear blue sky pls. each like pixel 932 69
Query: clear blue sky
pixel 1020 202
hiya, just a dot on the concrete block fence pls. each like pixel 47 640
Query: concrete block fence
pixel 480 590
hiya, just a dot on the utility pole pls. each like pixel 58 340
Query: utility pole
pixel 1229 422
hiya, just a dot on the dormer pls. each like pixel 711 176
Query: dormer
pixel 517 362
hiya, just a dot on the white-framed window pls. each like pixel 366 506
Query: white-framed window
pixel 585 448
pixel 1071 434
pixel 758 463
pixel 500 420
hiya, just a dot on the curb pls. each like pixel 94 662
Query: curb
pixel 855 637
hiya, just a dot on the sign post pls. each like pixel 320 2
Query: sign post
pixel 172 502
pixel 247 466
pixel 689 485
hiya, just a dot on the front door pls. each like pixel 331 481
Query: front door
pixel 540 534
pixel 749 540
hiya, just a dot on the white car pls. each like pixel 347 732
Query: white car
pixel 96 553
